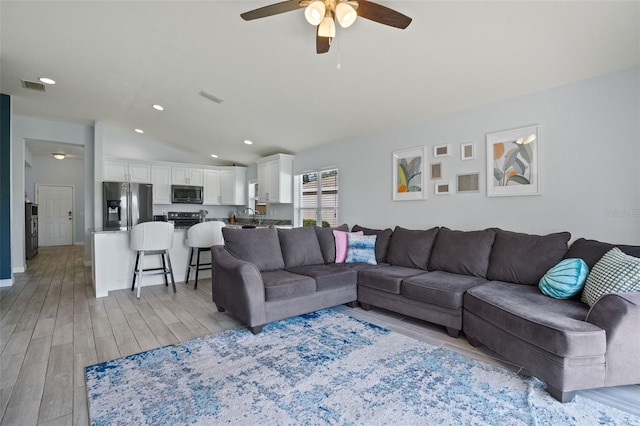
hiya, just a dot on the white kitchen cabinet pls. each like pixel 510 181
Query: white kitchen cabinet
pixel 225 186
pixel 186 176
pixel 211 188
pixel 275 179
pixel 126 171
pixel 161 180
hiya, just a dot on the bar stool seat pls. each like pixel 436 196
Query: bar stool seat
pixel 152 238
pixel 201 237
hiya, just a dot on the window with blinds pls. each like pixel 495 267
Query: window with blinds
pixel 317 198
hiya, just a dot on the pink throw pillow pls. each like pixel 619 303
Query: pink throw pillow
pixel 341 244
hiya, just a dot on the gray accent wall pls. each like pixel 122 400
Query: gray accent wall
pixel 590 155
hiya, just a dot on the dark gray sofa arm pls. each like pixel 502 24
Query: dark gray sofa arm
pixel 237 286
pixel 619 315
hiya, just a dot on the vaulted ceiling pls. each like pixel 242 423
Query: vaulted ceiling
pixel 113 59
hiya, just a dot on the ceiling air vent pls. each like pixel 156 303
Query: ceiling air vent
pixel 211 97
pixel 32 85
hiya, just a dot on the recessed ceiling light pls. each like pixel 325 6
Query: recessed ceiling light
pixel 46 80
pixel 139 130
pixel 59 155
pixel 214 156
pixel 158 107
pixel 248 142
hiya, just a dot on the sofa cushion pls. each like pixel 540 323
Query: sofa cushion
pixel 327 241
pixel 342 244
pixel 557 326
pixel 524 258
pixel 300 247
pixel 383 236
pixel 386 278
pixel 284 284
pixel 439 288
pixel 258 246
pixel 462 252
pixel 615 272
pixel 591 250
pixel 411 248
pixel 361 248
pixel 334 275
pixel 564 280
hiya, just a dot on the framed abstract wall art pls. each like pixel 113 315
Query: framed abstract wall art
pixel 513 161
pixel 408 174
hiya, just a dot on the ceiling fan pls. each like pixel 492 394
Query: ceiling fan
pixel 323 14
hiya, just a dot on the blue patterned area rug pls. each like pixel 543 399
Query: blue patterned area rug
pixel 322 368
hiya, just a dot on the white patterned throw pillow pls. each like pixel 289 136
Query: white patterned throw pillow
pixel 614 272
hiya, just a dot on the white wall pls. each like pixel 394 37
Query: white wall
pixel 590 157
pixel 49 171
pixel 31 128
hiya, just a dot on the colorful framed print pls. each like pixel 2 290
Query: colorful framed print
pixel 408 174
pixel 513 162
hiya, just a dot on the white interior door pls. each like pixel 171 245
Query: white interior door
pixel 55 215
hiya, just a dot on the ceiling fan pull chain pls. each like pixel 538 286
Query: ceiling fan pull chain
pixel 339 66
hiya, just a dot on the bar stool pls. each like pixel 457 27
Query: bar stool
pixel 152 238
pixel 201 237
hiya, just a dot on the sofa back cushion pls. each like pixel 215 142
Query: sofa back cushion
pixel 328 242
pixel 300 247
pixel 411 248
pixel 524 258
pixel 462 252
pixel 591 250
pixel 383 237
pixel 259 246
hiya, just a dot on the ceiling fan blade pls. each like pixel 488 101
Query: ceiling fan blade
pixel 382 14
pixel 322 43
pixel 272 9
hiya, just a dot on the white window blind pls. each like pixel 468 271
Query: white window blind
pixel 317 198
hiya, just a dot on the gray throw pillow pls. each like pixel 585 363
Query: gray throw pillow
pixel 411 248
pixel 383 237
pixel 259 246
pixel 300 247
pixel 524 258
pixel 328 242
pixel 462 252
pixel 591 250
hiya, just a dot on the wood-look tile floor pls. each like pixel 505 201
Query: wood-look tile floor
pixel 52 326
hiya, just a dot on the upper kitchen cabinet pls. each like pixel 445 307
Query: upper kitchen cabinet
pixel 275 179
pixel 225 186
pixel 161 180
pixel 126 171
pixel 186 176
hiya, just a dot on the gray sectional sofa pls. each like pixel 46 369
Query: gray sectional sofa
pixel 483 283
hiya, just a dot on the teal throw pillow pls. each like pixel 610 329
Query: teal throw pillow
pixel 615 272
pixel 564 280
pixel 361 248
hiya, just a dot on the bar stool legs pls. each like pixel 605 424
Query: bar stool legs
pixel 198 266
pixel 165 270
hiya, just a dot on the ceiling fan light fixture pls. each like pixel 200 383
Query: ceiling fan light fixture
pixel 59 155
pixel 314 13
pixel 345 14
pixel 327 27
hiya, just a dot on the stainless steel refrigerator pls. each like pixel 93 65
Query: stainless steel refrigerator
pixel 126 204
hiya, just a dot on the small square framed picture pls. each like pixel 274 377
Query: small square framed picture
pixel 442 188
pixel 441 150
pixel 467 151
pixel 468 182
pixel 436 170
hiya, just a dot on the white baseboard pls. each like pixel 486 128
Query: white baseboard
pixel 19 269
pixel 79 243
pixel 6 282
pixel 87 263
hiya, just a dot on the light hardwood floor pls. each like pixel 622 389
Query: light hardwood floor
pixel 52 326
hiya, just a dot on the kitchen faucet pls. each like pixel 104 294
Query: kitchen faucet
pixel 253 212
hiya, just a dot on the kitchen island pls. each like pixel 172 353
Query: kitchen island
pixel 113 261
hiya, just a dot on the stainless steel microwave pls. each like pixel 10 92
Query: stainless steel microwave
pixel 186 194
